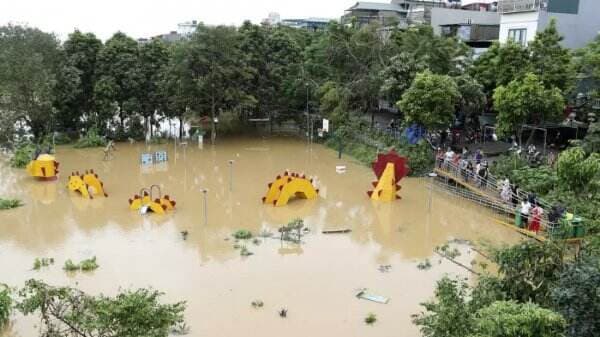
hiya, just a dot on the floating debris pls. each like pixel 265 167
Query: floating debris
pixel 362 294
pixel 257 304
pixel 424 265
pixel 283 312
pixel 336 231
pixel 385 268
pixel 184 235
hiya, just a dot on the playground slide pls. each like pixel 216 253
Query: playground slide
pixel 87 185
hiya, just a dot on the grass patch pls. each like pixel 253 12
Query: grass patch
pixel 43 262
pixel 424 265
pixel 242 234
pixel 10 203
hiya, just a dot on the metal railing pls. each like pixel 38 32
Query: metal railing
pixel 514 6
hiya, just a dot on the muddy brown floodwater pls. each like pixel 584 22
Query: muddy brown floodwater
pixel 316 280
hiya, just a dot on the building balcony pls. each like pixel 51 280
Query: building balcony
pixel 516 6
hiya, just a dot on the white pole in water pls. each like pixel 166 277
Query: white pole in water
pixel 205 191
pixel 432 176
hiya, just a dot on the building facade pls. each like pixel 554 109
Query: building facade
pixel 578 21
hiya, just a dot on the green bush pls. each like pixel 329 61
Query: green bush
pixel 43 262
pixel 23 155
pixel 91 139
pixel 10 203
pixel 71 266
pixel 5 305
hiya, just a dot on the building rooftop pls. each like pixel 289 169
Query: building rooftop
pixel 376 6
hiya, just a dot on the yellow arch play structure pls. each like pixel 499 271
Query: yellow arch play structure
pixel 44 167
pixel 146 203
pixel 288 186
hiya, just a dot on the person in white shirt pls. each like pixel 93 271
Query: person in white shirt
pixel 449 157
pixel 525 208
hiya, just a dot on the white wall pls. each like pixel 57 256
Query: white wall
pixel 527 20
pixel 448 16
pixel 578 29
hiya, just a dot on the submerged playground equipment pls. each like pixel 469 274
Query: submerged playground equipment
pixel 389 168
pixel 144 202
pixel 87 185
pixel 287 186
pixel 44 167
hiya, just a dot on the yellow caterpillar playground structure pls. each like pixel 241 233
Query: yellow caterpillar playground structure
pixel 44 167
pixel 87 185
pixel 288 186
pixel 145 203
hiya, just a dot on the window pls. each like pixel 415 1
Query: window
pixel 518 35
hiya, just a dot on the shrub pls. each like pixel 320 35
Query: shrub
pixel 10 203
pixel 70 266
pixel 23 155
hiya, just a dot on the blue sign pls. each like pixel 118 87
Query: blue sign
pixel 147 159
pixel 160 156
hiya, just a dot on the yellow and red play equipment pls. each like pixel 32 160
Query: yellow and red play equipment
pixel 87 185
pixel 287 186
pixel 389 168
pixel 44 167
pixel 144 200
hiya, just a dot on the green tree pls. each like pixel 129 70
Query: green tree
pixel 551 62
pixel 529 269
pixel 591 142
pixel 153 59
pixel 588 61
pixel 399 75
pixel 525 100
pixel 577 171
pixel 69 312
pixel 118 79
pixel 75 85
pixel 5 305
pixel 29 61
pixel 576 294
pixel 472 97
pixel 511 319
pixel 430 101
pixel 214 59
pixel 500 65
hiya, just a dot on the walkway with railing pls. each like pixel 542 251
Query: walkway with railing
pixel 486 191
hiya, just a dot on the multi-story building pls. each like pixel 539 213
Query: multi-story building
pixel 578 21
pixel 187 28
pixel 309 23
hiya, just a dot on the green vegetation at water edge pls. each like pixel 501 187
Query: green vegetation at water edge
pixel 23 155
pixel 10 203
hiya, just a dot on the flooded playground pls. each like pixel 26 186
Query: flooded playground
pixel 316 280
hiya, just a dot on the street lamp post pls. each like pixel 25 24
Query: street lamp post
pixel 231 175
pixel 205 192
